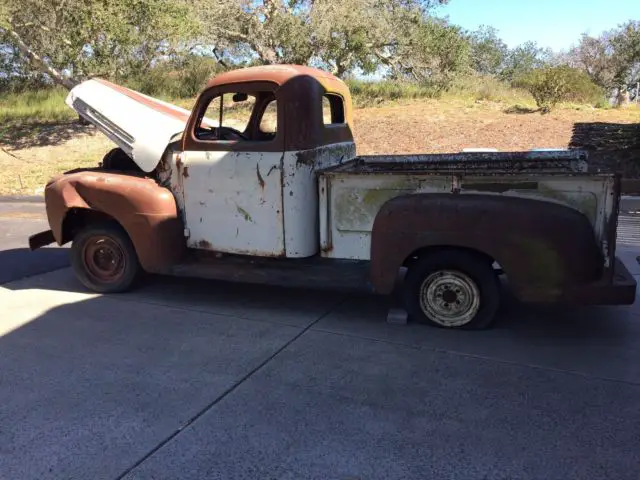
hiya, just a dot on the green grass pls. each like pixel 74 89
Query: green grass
pixel 35 106
pixel 488 89
pixel 366 93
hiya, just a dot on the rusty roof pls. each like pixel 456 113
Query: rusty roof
pixel 270 73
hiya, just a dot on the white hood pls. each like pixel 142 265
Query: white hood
pixel 140 125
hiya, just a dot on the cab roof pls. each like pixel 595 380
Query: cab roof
pixel 278 74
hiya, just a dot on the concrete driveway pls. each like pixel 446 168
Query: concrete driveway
pixel 17 222
pixel 193 379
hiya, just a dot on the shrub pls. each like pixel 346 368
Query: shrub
pixel 552 85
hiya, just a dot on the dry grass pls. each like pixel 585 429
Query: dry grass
pixel 26 169
pixel 440 126
pixel 405 126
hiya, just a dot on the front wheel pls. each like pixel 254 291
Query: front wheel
pixel 104 259
pixel 452 289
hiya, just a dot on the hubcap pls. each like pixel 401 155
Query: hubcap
pixel 104 258
pixel 449 298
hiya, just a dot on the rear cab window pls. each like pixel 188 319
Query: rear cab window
pixel 332 109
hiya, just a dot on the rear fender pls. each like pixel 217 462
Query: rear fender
pixel 541 246
pixel 146 211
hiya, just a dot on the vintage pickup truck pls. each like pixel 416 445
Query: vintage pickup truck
pixel 261 183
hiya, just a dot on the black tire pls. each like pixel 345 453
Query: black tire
pixel 116 160
pixel 104 259
pixel 441 289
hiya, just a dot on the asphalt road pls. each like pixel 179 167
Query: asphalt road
pixel 197 379
pixel 17 222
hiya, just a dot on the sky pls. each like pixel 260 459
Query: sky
pixel 551 23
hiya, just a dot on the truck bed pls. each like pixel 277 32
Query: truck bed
pixel 351 194
pixel 485 163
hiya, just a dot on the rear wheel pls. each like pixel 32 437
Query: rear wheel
pixel 104 259
pixel 452 289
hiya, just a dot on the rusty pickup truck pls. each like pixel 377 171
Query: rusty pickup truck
pixel 261 183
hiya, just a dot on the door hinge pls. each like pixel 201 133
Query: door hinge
pixel 187 233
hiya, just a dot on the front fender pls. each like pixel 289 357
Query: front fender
pixel 145 210
pixel 541 246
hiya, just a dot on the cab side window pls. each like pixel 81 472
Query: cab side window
pixel 231 111
pixel 239 116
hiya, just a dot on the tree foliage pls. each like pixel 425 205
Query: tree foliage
pixel 341 36
pixel 73 39
pixel 488 51
pixel 155 44
pixel 69 40
pixel 612 59
pixel 522 60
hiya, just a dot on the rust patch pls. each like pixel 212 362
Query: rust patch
pixel 204 244
pixel 500 187
pixel 494 163
pixel 522 235
pixel 306 157
pixel 170 110
pixel 327 249
pixel 147 211
pixel 260 179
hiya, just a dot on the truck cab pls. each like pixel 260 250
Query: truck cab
pixel 260 182
pixel 248 157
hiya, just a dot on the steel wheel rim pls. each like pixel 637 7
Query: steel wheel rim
pixel 104 258
pixel 449 298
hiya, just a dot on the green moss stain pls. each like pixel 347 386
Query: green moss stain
pixel 244 214
pixel 355 210
pixel 585 203
pixel 543 263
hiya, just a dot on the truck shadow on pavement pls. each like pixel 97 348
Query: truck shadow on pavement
pixel 355 310
pixel 20 263
pixel 118 374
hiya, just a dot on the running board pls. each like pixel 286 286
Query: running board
pixel 315 272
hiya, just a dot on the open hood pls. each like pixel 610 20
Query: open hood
pixel 140 125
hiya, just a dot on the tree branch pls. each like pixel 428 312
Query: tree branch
pixel 39 62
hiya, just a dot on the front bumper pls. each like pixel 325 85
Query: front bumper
pixel 620 291
pixel 41 239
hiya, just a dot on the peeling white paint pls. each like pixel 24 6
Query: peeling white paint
pixel 352 201
pixel 228 207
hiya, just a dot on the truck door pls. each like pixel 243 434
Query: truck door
pixel 232 172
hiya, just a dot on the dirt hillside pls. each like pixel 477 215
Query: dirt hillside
pixel 31 156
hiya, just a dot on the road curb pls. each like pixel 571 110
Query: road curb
pixel 22 199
